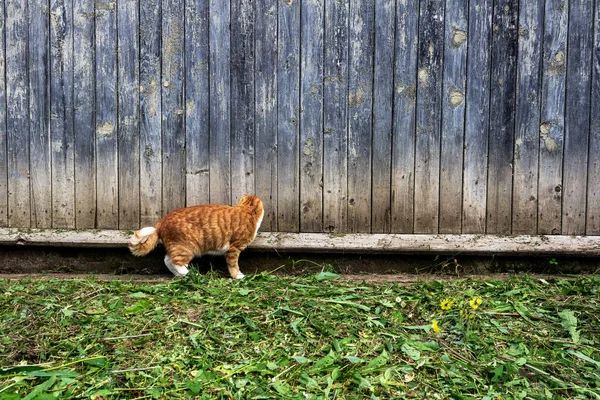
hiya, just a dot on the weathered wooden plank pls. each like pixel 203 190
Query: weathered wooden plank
pixel 405 97
pixel 3 154
pixel 128 47
pixel 265 119
pixel 150 113
pixel 477 117
pixel 552 128
pixel 593 190
pixel 429 94
pixel 196 103
pixel 220 112
pixel 526 150
pixel 350 243
pixel 106 115
pixel 453 115
pixel 61 111
pixel 502 117
pixel 83 114
pixel 311 117
pixel 39 113
pixel 17 113
pixel 173 107
pixel 242 98
pixel 335 140
pixel 288 116
pixel 360 112
pixel 577 116
pixel 383 95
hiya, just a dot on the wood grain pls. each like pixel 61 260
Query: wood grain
pixel 3 116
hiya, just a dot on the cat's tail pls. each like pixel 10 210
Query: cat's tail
pixel 143 241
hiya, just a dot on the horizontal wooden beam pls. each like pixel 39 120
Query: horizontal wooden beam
pixel 340 243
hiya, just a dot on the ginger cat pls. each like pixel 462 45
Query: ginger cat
pixel 206 229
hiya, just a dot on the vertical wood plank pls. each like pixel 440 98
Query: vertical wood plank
pixel 288 116
pixel 526 150
pixel 150 113
pixel 593 190
pixel 196 103
pixel 311 117
pixel 405 98
pixel 220 97
pixel 3 154
pixel 83 114
pixel 477 116
pixel 552 126
pixel 453 115
pixel 383 94
pixel 577 116
pixel 39 114
pixel 106 115
pixel 128 48
pixel 61 111
pixel 360 114
pixel 429 90
pixel 265 119
pixel 502 117
pixel 335 140
pixel 242 99
pixel 173 108
pixel 17 114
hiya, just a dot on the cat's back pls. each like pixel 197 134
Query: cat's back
pixel 196 215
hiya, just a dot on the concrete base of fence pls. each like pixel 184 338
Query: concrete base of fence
pixel 340 243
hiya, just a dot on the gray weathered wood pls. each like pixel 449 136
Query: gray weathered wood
pixel 383 95
pixel 83 114
pixel 360 111
pixel 61 111
pixel 453 115
pixel 150 114
pixel 477 117
pixel 288 117
pixel 220 113
pixel 577 116
pixel 502 116
pixel 526 149
pixel 196 103
pixel 351 243
pixel 552 128
pixel 335 132
pixel 128 47
pixel 429 93
pixel 3 154
pixel 107 201
pixel 39 113
pixel 311 117
pixel 405 98
pixel 173 107
pixel 242 99
pixel 593 191
pixel 265 118
pixel 17 113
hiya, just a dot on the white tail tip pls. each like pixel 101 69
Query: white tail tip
pixel 141 236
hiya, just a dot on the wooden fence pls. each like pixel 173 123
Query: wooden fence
pixel 383 116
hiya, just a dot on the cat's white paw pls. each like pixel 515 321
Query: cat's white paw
pixel 240 276
pixel 181 271
pixel 175 269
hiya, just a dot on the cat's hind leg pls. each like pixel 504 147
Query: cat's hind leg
pixel 177 261
pixel 231 256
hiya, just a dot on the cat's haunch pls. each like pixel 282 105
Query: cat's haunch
pixel 206 229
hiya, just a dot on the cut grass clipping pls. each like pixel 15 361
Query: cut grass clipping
pixel 300 337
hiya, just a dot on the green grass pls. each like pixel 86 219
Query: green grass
pixel 299 337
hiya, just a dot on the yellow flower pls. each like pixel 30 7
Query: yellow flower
pixel 475 302
pixel 435 326
pixel 446 304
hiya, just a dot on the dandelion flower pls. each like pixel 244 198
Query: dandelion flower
pixel 475 302
pixel 435 326
pixel 446 304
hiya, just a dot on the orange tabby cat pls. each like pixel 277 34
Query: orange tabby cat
pixel 207 229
